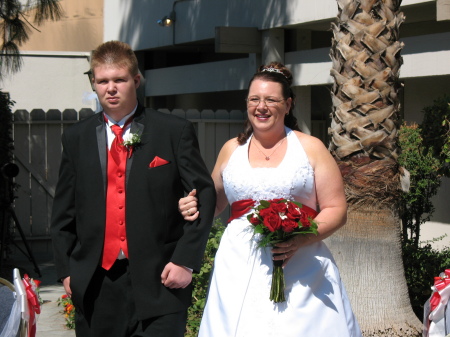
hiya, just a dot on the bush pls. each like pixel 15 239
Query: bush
pixel 436 131
pixel 422 264
pixel 68 310
pixel 416 206
pixel 426 155
pixel 201 280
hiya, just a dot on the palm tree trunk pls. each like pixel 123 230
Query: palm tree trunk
pixel 368 253
pixel 366 62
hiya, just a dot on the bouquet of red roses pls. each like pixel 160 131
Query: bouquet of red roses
pixel 278 220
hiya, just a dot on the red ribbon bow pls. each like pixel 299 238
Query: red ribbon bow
pixel 33 304
pixel 440 283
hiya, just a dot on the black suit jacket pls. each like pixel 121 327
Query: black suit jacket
pixel 156 232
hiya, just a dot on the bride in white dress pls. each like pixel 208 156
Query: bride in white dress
pixel 270 160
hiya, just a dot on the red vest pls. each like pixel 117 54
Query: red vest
pixel 115 233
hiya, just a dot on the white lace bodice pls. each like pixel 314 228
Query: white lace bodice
pixel 292 179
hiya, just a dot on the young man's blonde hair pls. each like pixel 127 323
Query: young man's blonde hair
pixel 116 54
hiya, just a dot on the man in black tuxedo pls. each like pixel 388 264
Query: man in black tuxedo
pixel 122 250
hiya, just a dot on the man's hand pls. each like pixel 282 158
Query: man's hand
pixel 66 284
pixel 175 276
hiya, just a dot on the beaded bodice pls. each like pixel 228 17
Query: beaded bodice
pixel 292 179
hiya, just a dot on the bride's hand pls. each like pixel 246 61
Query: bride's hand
pixel 285 250
pixel 187 206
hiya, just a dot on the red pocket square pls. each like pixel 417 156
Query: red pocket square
pixel 157 161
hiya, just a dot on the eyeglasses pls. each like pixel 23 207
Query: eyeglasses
pixel 270 102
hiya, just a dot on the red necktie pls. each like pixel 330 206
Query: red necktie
pixel 118 150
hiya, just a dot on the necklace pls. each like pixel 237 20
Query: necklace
pixel 276 148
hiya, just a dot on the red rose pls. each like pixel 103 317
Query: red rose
pixel 276 200
pixel 271 220
pixel 289 225
pixel 294 212
pixel 254 220
pixel 279 207
pixel 304 219
pixel 266 212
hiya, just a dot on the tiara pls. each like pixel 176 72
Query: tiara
pixel 273 70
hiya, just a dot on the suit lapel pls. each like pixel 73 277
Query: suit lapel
pixel 137 126
pixel 102 148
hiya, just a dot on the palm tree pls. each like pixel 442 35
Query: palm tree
pixel 366 60
pixel 15 27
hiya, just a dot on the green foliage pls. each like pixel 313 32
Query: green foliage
pixel 422 264
pixel 426 155
pixel 436 131
pixel 68 310
pixel 201 280
pixel 416 205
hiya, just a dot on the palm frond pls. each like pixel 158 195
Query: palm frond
pixel 10 59
pixel 18 30
pixel 10 9
pixel 47 9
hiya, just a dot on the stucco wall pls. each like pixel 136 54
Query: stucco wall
pixel 80 28
pixel 47 81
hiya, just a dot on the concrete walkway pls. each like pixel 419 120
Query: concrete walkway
pixel 51 321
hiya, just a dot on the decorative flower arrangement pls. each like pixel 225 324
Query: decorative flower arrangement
pixel 34 302
pixel 278 220
pixel 68 310
pixel 35 286
pixel 131 141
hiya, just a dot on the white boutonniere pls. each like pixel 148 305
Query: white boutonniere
pixel 131 141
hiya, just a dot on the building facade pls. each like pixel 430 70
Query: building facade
pixel 205 59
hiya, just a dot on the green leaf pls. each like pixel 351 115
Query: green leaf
pixel 259 229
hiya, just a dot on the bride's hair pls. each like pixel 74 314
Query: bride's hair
pixel 273 72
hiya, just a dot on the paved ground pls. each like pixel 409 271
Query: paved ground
pixel 51 320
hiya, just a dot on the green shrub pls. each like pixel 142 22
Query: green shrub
pixel 426 155
pixel 436 131
pixel 422 264
pixel 201 280
pixel 416 206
